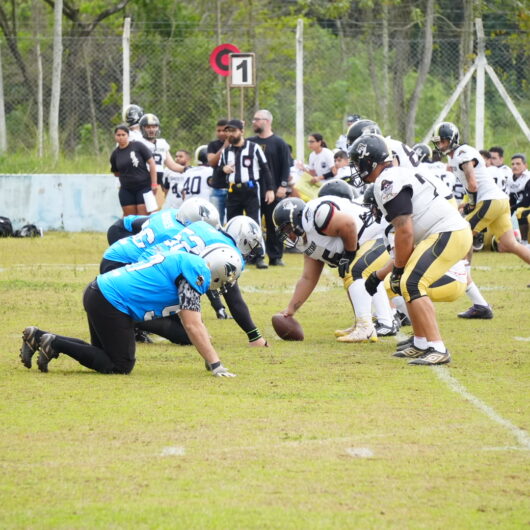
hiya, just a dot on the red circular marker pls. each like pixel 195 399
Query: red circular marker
pixel 220 58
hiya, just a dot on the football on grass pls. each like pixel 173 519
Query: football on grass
pixel 287 328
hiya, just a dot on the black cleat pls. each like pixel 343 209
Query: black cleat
pixel 403 319
pixel 46 352
pixel 142 336
pixel 478 242
pixel 410 352
pixel 477 311
pixel 29 345
pixel 405 343
pixel 222 314
pixel 260 264
pixel 385 331
pixel 276 262
pixel 432 357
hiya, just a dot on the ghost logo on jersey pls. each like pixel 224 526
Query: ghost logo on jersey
pixel 134 160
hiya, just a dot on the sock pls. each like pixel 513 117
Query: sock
pixel 360 300
pixel 382 308
pixel 438 345
pixel 420 342
pixel 401 305
pixel 474 295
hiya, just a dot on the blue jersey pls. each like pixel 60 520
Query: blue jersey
pixel 159 227
pixel 147 290
pixel 193 239
pixel 129 220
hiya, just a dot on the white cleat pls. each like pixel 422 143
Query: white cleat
pixel 360 334
pixel 342 332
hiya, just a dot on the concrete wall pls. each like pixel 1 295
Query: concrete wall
pixel 73 203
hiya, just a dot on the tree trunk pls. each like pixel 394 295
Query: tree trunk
pixel 422 74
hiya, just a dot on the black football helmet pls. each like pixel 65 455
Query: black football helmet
pixel 337 187
pixel 369 202
pixel 149 119
pixel 132 115
pixel 423 151
pixel 201 155
pixel 446 131
pixel 366 153
pixel 359 128
pixel 287 217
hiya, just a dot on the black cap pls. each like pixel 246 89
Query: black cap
pixel 352 118
pixel 234 124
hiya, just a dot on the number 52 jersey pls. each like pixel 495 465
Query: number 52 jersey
pixel 431 213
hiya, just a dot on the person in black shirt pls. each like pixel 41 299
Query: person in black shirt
pixel 279 159
pixel 130 162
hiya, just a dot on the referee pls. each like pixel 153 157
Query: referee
pixel 247 172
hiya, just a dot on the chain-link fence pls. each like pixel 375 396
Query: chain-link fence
pixel 171 77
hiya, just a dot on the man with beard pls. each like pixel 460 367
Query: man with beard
pixel 279 159
pixel 245 167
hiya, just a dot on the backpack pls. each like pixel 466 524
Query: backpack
pixel 27 231
pixel 6 228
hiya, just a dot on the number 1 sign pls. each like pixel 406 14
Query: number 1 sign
pixel 242 70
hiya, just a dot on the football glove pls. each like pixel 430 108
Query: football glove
pixel 345 261
pixel 372 283
pixel 221 371
pixel 395 279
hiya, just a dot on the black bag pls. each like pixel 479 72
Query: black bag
pixel 27 231
pixel 6 228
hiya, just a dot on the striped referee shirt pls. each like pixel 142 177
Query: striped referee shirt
pixel 249 162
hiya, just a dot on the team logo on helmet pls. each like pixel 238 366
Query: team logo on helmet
pixel 200 280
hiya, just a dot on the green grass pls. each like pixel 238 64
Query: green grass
pixel 272 447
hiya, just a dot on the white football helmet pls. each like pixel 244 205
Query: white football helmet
pixel 246 234
pixel 225 265
pixel 197 209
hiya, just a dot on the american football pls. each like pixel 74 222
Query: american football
pixel 287 328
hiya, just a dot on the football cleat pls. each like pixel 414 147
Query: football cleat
pixel 477 311
pixel 29 345
pixel 405 343
pixel 478 242
pixel 222 314
pixel 142 336
pixel 410 352
pixel 403 319
pixel 260 264
pixel 432 357
pixel 342 332
pixel 386 331
pixel 360 334
pixel 46 351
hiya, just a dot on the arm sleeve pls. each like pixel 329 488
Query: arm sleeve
pixel 136 225
pixel 239 310
pixel 189 298
pixel 401 204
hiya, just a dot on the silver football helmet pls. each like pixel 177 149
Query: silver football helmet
pixel 225 265
pixel 198 209
pixel 246 234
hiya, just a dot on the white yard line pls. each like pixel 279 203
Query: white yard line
pixel 522 436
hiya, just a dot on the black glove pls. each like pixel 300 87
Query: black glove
pixel 468 208
pixel 371 283
pixel 345 262
pixel 395 278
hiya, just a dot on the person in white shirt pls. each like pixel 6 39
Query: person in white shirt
pixel 320 159
pixel 504 172
pixel 430 237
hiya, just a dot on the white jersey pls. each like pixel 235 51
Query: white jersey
pixel 486 187
pixel 439 171
pixel 317 214
pixel 321 162
pixel 173 182
pixel 342 143
pixel 192 183
pixel 518 185
pixel 404 155
pixel 501 176
pixel 160 149
pixel 135 135
pixel 431 213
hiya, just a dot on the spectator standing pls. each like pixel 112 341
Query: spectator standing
pixel 129 162
pixel 218 181
pixel 246 170
pixel 279 160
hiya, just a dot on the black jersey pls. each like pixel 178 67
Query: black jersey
pixel 131 165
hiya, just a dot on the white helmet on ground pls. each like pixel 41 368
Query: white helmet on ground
pixel 246 234
pixel 225 265
pixel 197 209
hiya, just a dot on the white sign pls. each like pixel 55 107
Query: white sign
pixel 242 69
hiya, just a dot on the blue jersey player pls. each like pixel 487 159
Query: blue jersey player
pixel 167 284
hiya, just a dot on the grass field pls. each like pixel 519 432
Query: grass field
pixel 315 434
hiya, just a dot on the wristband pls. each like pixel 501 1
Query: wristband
pixel 253 334
pixel 213 366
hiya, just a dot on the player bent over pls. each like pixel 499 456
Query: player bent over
pixel 430 237
pixel 114 301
